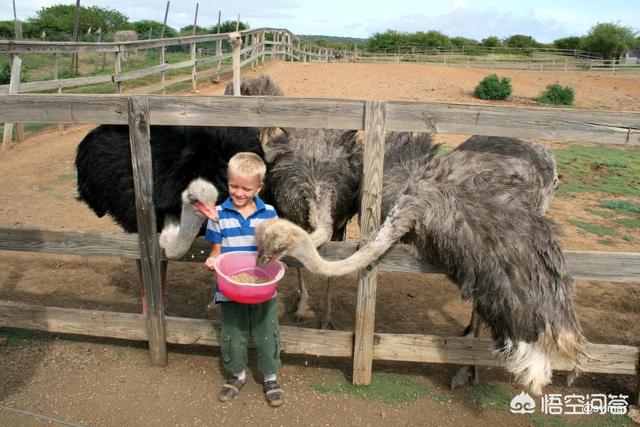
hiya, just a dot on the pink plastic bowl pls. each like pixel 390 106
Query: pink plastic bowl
pixel 232 263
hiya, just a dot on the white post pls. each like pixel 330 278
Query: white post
pixel 16 65
pixel 236 42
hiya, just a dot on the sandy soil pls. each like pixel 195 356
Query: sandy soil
pixel 109 382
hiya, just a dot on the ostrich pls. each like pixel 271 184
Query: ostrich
pixel 189 165
pixel 473 212
pixel 314 178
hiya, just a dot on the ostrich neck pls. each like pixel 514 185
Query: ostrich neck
pixel 395 226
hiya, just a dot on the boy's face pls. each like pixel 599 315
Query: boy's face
pixel 242 190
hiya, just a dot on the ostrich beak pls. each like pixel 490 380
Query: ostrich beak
pixel 263 259
pixel 208 210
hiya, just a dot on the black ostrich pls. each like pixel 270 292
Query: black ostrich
pixel 189 165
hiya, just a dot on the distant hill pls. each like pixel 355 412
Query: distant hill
pixel 333 39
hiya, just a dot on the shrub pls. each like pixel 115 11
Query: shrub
pixel 492 87
pixel 5 74
pixel 556 94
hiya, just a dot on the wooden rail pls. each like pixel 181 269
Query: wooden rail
pixel 621 267
pixel 612 359
pixel 606 127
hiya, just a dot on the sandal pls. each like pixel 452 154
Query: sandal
pixel 273 393
pixel 231 388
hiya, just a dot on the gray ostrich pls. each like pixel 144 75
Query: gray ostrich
pixel 314 178
pixel 475 213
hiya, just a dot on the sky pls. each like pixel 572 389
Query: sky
pixel 544 20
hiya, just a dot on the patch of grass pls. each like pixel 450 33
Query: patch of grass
pixel 603 214
pixel 492 396
pixel 607 242
pixel 582 421
pixel 72 176
pixel 442 398
pixel 628 237
pixel 385 388
pixel 629 222
pixel 594 229
pixel 17 338
pixel 556 94
pixel 599 169
pixel 622 206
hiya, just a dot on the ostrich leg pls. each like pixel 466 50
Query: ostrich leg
pixel 468 373
pixel 163 267
pixel 303 311
pixel 328 322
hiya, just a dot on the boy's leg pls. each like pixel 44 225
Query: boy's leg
pixel 234 335
pixel 266 334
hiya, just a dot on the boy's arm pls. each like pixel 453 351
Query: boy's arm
pixel 215 251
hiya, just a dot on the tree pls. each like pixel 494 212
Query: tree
pixel 390 39
pixel 491 41
pixel 228 27
pixel 143 27
pixel 570 43
pixel 520 40
pixel 609 40
pixel 430 38
pixel 57 20
pixel 463 41
pixel 188 30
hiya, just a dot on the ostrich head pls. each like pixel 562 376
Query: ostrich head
pixel 314 177
pixel 277 237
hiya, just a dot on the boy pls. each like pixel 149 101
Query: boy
pixel 234 231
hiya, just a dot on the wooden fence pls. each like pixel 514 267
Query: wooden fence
pixel 257 47
pixel 375 117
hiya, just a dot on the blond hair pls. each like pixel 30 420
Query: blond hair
pixel 247 165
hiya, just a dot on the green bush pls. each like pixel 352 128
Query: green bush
pixel 5 74
pixel 492 87
pixel 556 94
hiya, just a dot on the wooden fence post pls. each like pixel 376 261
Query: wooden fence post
pixel 139 136
pixel 374 125
pixel 236 42
pixel 55 77
pixel 118 67
pixel 194 76
pixel 16 65
pixel 162 49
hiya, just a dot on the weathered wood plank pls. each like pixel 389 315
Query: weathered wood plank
pixel 186 331
pixel 16 67
pixel 60 84
pixel 139 135
pixel 547 123
pixel 370 208
pixel 611 127
pixel 604 358
pixel 621 267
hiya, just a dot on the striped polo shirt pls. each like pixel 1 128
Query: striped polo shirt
pixel 234 232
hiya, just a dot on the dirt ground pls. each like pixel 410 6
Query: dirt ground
pixel 69 380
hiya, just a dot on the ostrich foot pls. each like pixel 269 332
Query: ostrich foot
pixel 328 322
pixel 469 374
pixel 465 375
pixel 304 312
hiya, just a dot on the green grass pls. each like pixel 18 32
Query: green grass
pixel 68 176
pixel 603 214
pixel 629 222
pixel 492 396
pixel 18 338
pixel 599 169
pixel 593 229
pixel 581 421
pixel 621 206
pixel 385 388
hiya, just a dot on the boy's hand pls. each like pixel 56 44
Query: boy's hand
pixel 208 211
pixel 208 264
